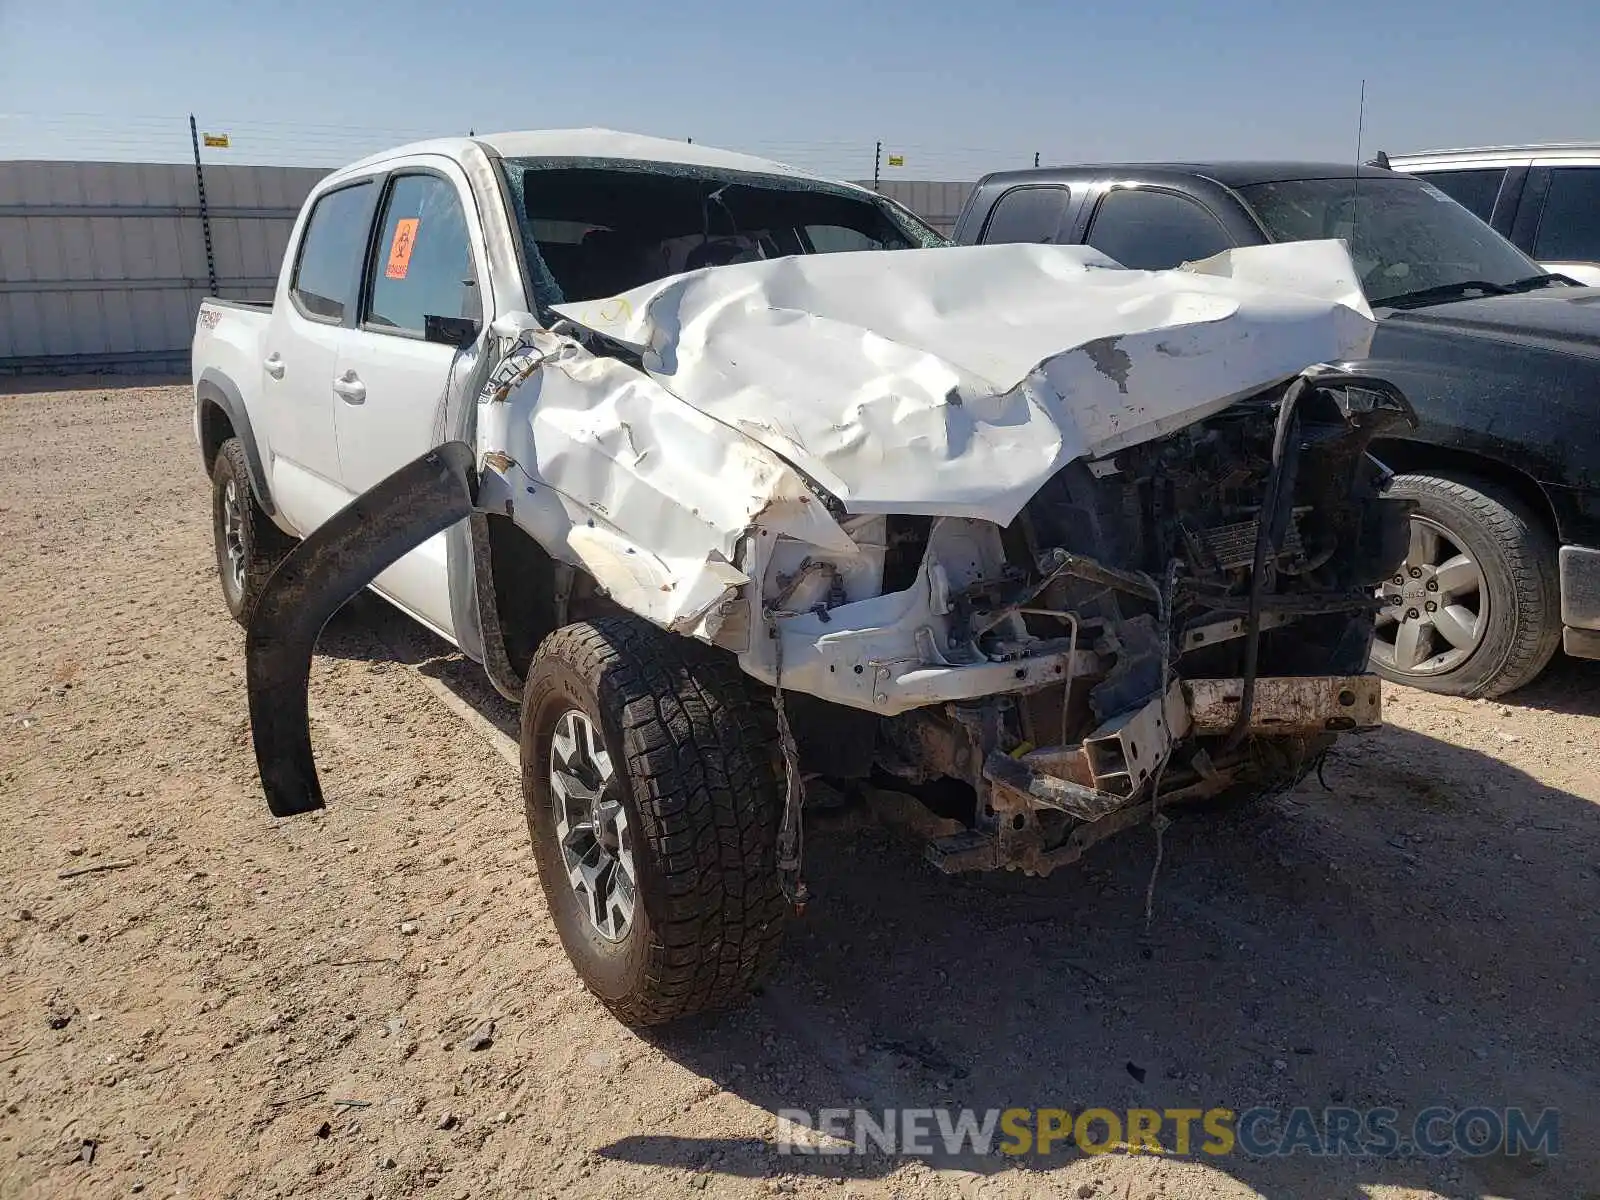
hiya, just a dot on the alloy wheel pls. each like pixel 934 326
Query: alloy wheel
pixel 233 534
pixel 1436 605
pixel 592 825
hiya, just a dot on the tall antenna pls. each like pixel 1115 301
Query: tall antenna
pixel 1361 121
pixel 1355 194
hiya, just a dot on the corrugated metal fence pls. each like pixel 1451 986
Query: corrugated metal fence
pixel 939 204
pixel 103 265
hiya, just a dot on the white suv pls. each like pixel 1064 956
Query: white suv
pixel 1545 199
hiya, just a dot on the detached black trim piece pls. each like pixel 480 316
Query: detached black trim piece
pixel 1270 528
pixel 364 538
pixel 1580 587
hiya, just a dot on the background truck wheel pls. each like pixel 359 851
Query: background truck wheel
pixel 248 544
pixel 1475 608
pixel 653 807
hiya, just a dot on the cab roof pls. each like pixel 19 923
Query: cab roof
pixel 1232 174
pixel 594 144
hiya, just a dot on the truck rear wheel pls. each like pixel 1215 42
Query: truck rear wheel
pixel 248 544
pixel 653 808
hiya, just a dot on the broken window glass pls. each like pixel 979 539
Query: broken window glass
pixel 592 228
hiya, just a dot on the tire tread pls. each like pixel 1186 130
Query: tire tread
pixel 708 800
pixel 1528 549
pixel 265 543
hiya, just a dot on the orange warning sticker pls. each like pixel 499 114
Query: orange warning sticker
pixel 405 237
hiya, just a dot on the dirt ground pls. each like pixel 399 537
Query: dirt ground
pixel 259 1008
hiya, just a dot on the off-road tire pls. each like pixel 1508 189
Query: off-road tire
pixel 1517 554
pixel 263 544
pixel 696 779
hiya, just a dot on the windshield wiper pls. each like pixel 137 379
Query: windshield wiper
pixel 1445 292
pixel 1442 293
pixel 1546 279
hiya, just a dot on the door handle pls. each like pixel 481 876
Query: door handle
pixel 274 365
pixel 350 389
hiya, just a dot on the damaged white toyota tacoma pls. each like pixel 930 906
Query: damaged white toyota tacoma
pixel 735 477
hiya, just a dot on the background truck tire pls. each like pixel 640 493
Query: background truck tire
pixel 682 793
pixel 248 544
pixel 1466 531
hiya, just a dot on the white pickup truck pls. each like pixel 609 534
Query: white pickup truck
pixel 736 477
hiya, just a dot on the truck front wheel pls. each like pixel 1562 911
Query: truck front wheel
pixel 1474 610
pixel 653 808
pixel 248 544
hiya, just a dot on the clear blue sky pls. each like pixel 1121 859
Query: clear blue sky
pixel 956 87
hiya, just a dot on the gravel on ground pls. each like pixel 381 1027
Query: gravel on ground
pixel 232 1005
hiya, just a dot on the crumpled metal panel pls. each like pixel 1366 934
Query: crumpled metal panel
pixel 889 653
pixel 956 381
pixel 613 473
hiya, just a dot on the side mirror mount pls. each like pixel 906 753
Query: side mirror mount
pixel 459 332
pixel 512 325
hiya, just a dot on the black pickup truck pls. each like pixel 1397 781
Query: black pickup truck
pixel 1500 359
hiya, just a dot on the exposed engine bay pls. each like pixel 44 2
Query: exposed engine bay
pixel 1084 582
pixel 1205 604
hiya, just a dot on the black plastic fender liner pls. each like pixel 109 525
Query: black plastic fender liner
pixel 319 576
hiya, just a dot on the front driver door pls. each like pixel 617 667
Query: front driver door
pixel 393 383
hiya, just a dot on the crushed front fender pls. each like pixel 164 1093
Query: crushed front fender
pixel 344 555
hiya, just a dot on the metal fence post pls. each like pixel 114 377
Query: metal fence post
pixel 877 159
pixel 205 213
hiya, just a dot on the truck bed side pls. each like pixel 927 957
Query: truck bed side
pixel 226 365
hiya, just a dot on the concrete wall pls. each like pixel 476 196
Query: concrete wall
pixel 103 265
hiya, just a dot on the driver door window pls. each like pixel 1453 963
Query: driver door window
pixel 1154 231
pixel 1028 214
pixel 423 264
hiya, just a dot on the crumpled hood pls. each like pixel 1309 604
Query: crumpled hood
pixel 956 381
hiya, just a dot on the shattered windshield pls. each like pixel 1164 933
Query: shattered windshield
pixel 1406 237
pixel 593 228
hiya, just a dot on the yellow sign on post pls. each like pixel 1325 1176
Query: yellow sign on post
pixel 218 140
pixel 897 160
